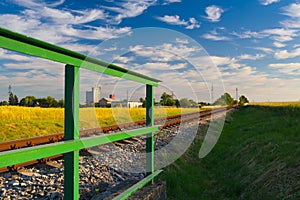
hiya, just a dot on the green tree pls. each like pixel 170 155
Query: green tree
pixel 193 103
pixel 4 103
pixel 177 103
pixel 13 99
pixel 61 103
pixel 167 100
pixel 51 102
pixel 184 103
pixel 28 101
pixel 225 99
pixel 243 100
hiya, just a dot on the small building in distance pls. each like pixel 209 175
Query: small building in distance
pixel 93 96
pixel 112 102
pixel 106 102
pixel 126 104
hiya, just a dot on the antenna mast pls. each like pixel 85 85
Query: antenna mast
pixel 212 92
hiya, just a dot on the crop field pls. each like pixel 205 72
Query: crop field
pixel 23 122
pixel 274 104
pixel 257 157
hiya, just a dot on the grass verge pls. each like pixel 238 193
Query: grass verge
pixel 256 157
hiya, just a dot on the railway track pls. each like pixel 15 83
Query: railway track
pixel 162 122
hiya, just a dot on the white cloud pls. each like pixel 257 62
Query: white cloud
pixel 279 44
pixel 292 11
pixel 284 54
pixel 248 34
pixel 70 16
pixel 123 59
pixel 280 34
pixel 171 1
pixel 214 13
pixel 4 54
pixel 182 41
pixel 91 50
pixel 163 66
pixel 287 68
pixel 251 57
pixel 165 52
pixel 58 33
pixel 268 2
pixel 96 33
pixel 128 9
pixel 37 3
pixel 264 49
pixel 214 37
pixel 175 20
pixel 193 24
pixel 18 23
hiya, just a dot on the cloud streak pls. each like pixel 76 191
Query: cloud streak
pixel 192 23
pixel 268 2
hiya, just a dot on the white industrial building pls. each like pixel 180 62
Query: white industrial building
pixel 126 104
pixel 93 96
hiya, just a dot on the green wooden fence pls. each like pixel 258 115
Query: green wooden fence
pixel 72 142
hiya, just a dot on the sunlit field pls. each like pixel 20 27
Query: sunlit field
pixel 23 122
pixel 290 103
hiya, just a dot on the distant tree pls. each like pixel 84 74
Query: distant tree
pixel 61 103
pixel 4 103
pixel 204 103
pixel 41 102
pixel 167 100
pixel 193 103
pixel 225 99
pixel 243 100
pixel 28 101
pixel 177 103
pixel 51 102
pixel 143 101
pixel 16 100
pixel 13 99
pixel 184 103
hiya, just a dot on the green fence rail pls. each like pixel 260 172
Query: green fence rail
pixel 72 142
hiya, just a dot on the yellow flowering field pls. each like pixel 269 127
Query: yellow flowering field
pixel 18 122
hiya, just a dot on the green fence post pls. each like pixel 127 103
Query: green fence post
pixel 71 159
pixel 149 122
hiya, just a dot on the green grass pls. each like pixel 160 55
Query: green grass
pixel 256 157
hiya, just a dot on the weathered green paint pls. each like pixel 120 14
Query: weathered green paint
pixel 127 193
pixel 23 44
pixel 149 122
pixel 12 157
pixel 71 159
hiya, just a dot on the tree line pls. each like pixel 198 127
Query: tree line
pixel 32 101
pixel 226 99
pixel 168 100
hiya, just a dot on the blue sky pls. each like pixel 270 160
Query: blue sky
pixel 253 45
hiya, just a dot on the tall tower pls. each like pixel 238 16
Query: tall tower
pixel 93 96
pixel 237 94
pixel 9 89
pixel 212 92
